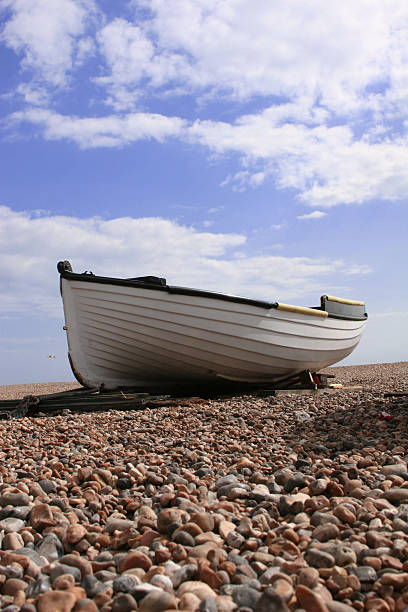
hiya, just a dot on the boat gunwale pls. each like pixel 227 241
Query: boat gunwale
pixel 173 289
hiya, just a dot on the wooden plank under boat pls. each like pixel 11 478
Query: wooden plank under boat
pixel 142 332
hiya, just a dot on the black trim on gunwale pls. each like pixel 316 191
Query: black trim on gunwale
pixel 159 284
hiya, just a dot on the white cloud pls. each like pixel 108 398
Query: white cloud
pixel 31 245
pixel 392 314
pixel 326 165
pixel 46 34
pixel 280 48
pixel 303 53
pixel 127 51
pixel 90 132
pixel 331 85
pixel 316 214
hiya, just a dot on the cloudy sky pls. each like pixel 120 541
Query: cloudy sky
pixel 259 148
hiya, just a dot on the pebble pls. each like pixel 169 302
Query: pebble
pixel 245 502
pixel 56 601
pixel 309 600
pixel 157 601
pixel 319 558
pixel 396 495
pixel 245 596
pixel 11 524
pixel 50 547
pixel 271 601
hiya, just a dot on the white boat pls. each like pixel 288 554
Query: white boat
pixel 141 332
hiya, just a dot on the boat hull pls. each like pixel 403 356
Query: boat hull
pixel 122 335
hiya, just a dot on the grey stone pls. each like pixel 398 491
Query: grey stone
pixel 107 576
pixel 319 558
pixel 123 484
pixel 396 495
pixel 20 512
pixel 144 589
pixel 344 555
pixel 179 573
pixel 260 492
pixel 245 596
pixel 321 518
pixel 236 493
pixel 93 586
pixel 184 538
pixel 162 581
pixel 396 469
pixel 204 472
pixel 14 499
pixel 11 524
pixel 32 555
pixel 317 487
pixel 271 601
pixel 61 568
pixel 42 585
pixel 302 416
pixel 235 539
pixel 237 559
pixel 226 480
pixel 125 583
pixel 124 602
pixel 297 480
pixel 12 571
pixel 365 573
pixel 208 605
pixel 48 486
pixel 265 578
pixel 118 524
pixel 225 489
pixel 51 547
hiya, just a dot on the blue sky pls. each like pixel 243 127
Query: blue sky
pixel 256 148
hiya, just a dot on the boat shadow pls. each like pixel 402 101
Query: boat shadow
pixel 380 423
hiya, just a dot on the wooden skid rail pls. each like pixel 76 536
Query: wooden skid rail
pixel 86 400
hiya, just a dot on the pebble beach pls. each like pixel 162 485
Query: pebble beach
pixel 250 502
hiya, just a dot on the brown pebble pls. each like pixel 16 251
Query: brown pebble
pixel 56 601
pixel 85 605
pixel 308 577
pixel 224 528
pixel 41 516
pixel 225 604
pixel 398 581
pixel 378 605
pixel 198 588
pixel 309 600
pixel 63 582
pixel 283 588
pixel 344 514
pixel 134 558
pixel 338 606
pixel 167 517
pixel 75 533
pixel 203 520
pixel 157 601
pixel 12 541
pixel 13 585
pixel 326 532
pixel 189 601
